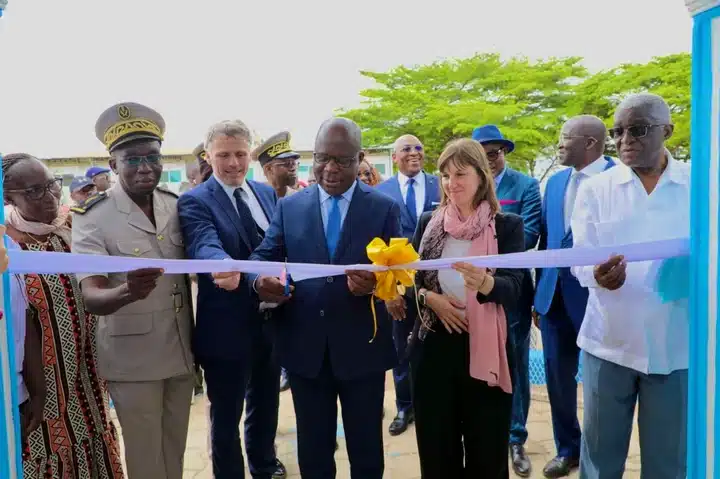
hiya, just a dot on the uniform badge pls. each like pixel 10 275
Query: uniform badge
pixel 123 112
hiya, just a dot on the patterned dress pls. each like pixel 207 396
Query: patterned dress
pixel 77 440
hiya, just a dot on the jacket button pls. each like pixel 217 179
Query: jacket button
pixel 330 279
pixel 160 237
pixel 322 312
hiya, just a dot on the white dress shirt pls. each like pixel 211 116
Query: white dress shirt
pixel 576 178
pixel 257 212
pixel 419 188
pixel 631 326
pixel 451 282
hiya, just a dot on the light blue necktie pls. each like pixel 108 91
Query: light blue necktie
pixel 410 200
pixel 334 223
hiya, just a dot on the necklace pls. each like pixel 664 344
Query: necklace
pixel 38 241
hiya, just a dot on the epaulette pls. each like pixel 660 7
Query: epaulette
pixel 169 192
pixel 85 206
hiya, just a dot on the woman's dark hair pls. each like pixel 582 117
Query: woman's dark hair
pixel 8 161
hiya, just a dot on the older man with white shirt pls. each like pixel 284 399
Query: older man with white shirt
pixel 634 343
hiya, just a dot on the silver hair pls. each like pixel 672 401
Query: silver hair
pixel 230 128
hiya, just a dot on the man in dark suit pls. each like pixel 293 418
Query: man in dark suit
pixel 324 328
pixel 225 218
pixel 415 192
pixel 520 194
pixel 559 298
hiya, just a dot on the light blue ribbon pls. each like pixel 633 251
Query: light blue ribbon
pixel 48 262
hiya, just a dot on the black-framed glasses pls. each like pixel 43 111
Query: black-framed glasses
pixel 636 131
pixel 493 155
pixel 342 161
pixel 136 161
pixel 409 148
pixel 38 192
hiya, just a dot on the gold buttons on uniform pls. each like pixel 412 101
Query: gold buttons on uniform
pixel 136 251
pixel 160 237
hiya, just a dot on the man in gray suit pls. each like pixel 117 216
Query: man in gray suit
pixel 143 336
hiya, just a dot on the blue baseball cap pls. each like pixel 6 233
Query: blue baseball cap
pixel 80 182
pixel 96 170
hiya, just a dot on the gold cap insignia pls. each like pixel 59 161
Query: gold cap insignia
pixel 123 112
pixel 278 148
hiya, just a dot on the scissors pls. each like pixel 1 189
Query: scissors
pixel 287 279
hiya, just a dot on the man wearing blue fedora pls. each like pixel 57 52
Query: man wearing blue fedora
pixel 520 194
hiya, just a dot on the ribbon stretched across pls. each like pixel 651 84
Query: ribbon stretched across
pixel 43 262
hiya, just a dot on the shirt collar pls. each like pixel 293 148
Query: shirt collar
pixel 231 189
pixel 347 195
pixel 499 177
pixel 672 172
pixel 597 166
pixel 403 179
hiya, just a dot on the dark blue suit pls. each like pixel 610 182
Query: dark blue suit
pixel 520 194
pixel 561 302
pixel 323 332
pixel 402 329
pixel 230 342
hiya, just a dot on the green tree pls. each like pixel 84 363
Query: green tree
pixel 447 99
pixel 667 76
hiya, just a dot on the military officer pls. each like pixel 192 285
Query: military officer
pixel 205 168
pixel 279 163
pixel 145 317
pixel 82 188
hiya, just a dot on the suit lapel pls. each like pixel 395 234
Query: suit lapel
pixel 262 199
pixel 226 205
pixel 431 190
pixel 397 196
pixel 162 213
pixel 505 185
pixel 559 221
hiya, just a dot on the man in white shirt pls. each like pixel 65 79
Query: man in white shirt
pixel 634 344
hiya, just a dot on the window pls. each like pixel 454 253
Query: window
pixel 304 169
pixel 380 167
pixel 171 176
pixel 250 173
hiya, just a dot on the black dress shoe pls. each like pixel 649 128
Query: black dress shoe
pixel 284 382
pixel 280 472
pixel 520 461
pixel 401 422
pixel 560 467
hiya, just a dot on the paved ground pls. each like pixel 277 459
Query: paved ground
pixel 401 461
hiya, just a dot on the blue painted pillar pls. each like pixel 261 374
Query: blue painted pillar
pixel 703 417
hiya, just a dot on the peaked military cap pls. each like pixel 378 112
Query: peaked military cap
pixel 277 147
pixel 199 152
pixel 125 122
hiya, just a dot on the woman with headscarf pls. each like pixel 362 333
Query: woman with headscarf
pixel 462 392
pixel 77 438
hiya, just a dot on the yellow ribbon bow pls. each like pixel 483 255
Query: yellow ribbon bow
pixel 391 283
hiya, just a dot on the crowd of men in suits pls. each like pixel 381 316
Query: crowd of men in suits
pixel 241 345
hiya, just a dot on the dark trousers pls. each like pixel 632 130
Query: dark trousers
pixel 520 341
pixel 559 337
pixel 231 384
pixel 315 401
pixel 462 424
pixel 401 373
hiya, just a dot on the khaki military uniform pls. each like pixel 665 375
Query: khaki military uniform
pixel 143 349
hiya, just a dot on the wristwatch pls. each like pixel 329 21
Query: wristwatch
pixel 421 297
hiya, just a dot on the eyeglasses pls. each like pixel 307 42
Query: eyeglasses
pixel 136 161
pixel 493 155
pixel 38 192
pixel 287 163
pixel 409 148
pixel 636 131
pixel 344 162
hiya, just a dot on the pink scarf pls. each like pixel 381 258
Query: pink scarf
pixel 58 226
pixel 487 322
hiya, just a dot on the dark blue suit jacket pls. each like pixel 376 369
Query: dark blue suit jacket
pixel 391 187
pixel 323 315
pixel 553 236
pixel 226 320
pixel 520 194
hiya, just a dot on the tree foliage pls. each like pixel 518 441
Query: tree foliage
pixel 528 100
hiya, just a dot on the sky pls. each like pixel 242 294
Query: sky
pixel 276 65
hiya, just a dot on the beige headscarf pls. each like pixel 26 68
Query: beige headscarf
pixel 58 226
